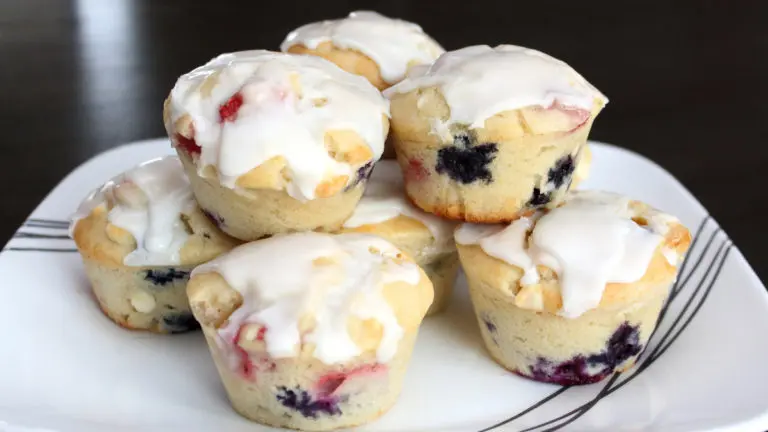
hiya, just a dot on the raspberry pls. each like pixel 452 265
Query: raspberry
pixel 416 171
pixel 187 144
pixel 228 111
pixel 162 277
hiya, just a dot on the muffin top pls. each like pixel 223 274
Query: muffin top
pixel 300 116
pixel 479 82
pixel 384 203
pixel 591 241
pixel 332 297
pixel 146 217
pixel 395 45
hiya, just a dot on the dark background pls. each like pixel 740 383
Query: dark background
pixel 686 80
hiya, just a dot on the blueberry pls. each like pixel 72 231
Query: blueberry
pixel 216 219
pixel 571 372
pixel 180 323
pixel 466 163
pixel 302 402
pixel 557 176
pixel 164 277
pixel 489 324
pixel 363 173
pixel 561 173
pixel 623 344
pixel 539 199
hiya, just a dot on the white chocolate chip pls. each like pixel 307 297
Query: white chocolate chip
pixel 142 301
pixel 251 333
pixel 671 255
pixel 530 297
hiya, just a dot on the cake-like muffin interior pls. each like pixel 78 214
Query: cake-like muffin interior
pixel 392 45
pixel 146 217
pixel 328 297
pixel 581 255
pixel 266 120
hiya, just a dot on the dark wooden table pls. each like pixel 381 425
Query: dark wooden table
pixel 687 80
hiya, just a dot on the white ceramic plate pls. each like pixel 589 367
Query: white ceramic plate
pixel 65 367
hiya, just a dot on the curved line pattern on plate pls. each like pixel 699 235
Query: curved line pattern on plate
pixel 47 224
pixel 527 410
pixel 658 350
pixel 33 249
pixel 717 262
pixel 31 235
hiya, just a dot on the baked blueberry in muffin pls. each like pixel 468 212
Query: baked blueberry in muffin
pixel 466 162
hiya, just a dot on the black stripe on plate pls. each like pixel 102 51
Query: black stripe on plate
pixel 30 235
pixel 527 410
pixel 720 257
pixel 675 290
pixel 32 249
pixel 46 223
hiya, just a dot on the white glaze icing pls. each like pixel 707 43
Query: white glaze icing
pixel 281 283
pixel 384 200
pixel 589 241
pixel 479 82
pixel 395 45
pixel 289 103
pixel 146 201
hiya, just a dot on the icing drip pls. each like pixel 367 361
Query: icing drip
pixel 589 241
pixel 395 45
pixel 384 200
pixel 146 201
pixel 324 278
pixel 479 82
pixel 285 105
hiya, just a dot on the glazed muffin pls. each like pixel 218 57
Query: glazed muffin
pixel 275 143
pixel 365 43
pixel 311 331
pixel 571 295
pixel 491 134
pixel 384 211
pixel 139 236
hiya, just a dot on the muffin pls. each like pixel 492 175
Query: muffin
pixel 365 43
pixel 489 135
pixel 140 235
pixel 311 331
pixel 274 143
pixel 571 295
pixel 583 166
pixel 384 211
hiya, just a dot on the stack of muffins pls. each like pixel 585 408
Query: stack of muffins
pixel 310 263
